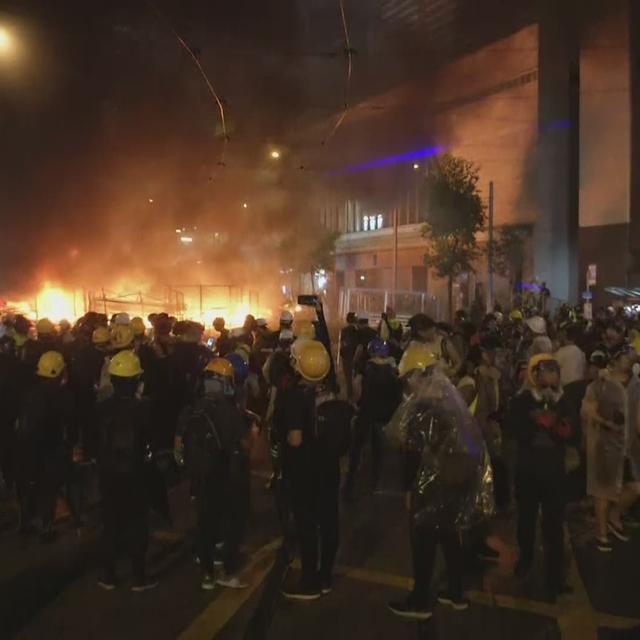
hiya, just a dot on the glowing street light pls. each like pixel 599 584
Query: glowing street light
pixel 7 44
pixel 245 205
pixel 275 154
pixel 416 166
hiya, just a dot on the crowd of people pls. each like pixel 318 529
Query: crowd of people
pixel 485 416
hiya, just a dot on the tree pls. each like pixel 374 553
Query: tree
pixel 456 214
pixel 508 252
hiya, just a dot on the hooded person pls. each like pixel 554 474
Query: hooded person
pixel 611 410
pixel 381 394
pixel 123 423
pixel 539 420
pixel 447 478
pixel 210 443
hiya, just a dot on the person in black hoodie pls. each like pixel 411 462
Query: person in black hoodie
pixel 381 393
pixel 540 422
pixel 123 452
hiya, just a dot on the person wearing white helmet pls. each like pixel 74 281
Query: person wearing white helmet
pixel 122 318
pixel 540 341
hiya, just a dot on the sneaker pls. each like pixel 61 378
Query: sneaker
pixel 618 532
pixel 302 592
pixel 208 583
pixel 107 585
pixel 145 585
pixel 410 612
pixel 231 582
pixel 326 587
pixel 603 545
pixel 456 603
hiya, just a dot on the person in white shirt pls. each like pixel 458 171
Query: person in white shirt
pixel 573 362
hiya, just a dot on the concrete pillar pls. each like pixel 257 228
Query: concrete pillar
pixel 556 229
pixel 634 177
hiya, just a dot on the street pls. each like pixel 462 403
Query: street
pixel 50 591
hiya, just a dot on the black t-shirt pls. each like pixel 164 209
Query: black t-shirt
pixel 298 413
pixel 349 341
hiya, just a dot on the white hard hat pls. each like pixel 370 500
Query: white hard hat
pixel 537 324
pixel 286 316
pixel 261 322
pixel 122 318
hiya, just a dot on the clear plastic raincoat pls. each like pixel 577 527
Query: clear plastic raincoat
pixel 609 443
pixel 453 486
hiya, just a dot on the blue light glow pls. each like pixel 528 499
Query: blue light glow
pixel 386 161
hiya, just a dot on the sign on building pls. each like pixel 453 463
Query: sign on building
pixel 592 275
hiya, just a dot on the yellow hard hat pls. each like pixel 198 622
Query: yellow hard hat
pixel 100 335
pixel 121 336
pixel 416 356
pixel 516 314
pixel 535 362
pixel 137 324
pixel 311 360
pixel 44 327
pixel 125 364
pixel 50 365
pixel 220 367
pixel 304 329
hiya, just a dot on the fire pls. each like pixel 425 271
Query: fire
pixel 56 304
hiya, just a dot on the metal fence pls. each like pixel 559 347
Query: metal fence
pixel 373 302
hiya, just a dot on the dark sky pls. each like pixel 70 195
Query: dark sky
pixel 105 110
pixel 108 110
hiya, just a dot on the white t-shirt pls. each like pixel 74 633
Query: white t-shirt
pixel 573 363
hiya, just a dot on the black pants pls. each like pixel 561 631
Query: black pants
pixel 314 487
pixel 542 488
pixel 8 451
pixel 365 427
pixel 347 368
pixel 125 521
pixel 424 544
pixel 222 516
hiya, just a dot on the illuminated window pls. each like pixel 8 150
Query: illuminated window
pixel 379 221
pixel 365 223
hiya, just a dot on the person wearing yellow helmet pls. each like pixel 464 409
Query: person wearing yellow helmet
pixel 47 340
pixel 209 442
pixel 541 423
pixel 312 476
pixel 139 327
pixel 44 437
pixel 124 428
pixel 417 357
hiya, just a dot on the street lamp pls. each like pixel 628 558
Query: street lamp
pixel 275 154
pixel 6 42
pixel 416 166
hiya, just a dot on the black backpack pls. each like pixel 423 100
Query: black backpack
pixel 203 449
pixel 333 423
pixel 121 447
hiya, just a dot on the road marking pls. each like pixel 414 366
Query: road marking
pixel 576 618
pixel 213 619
